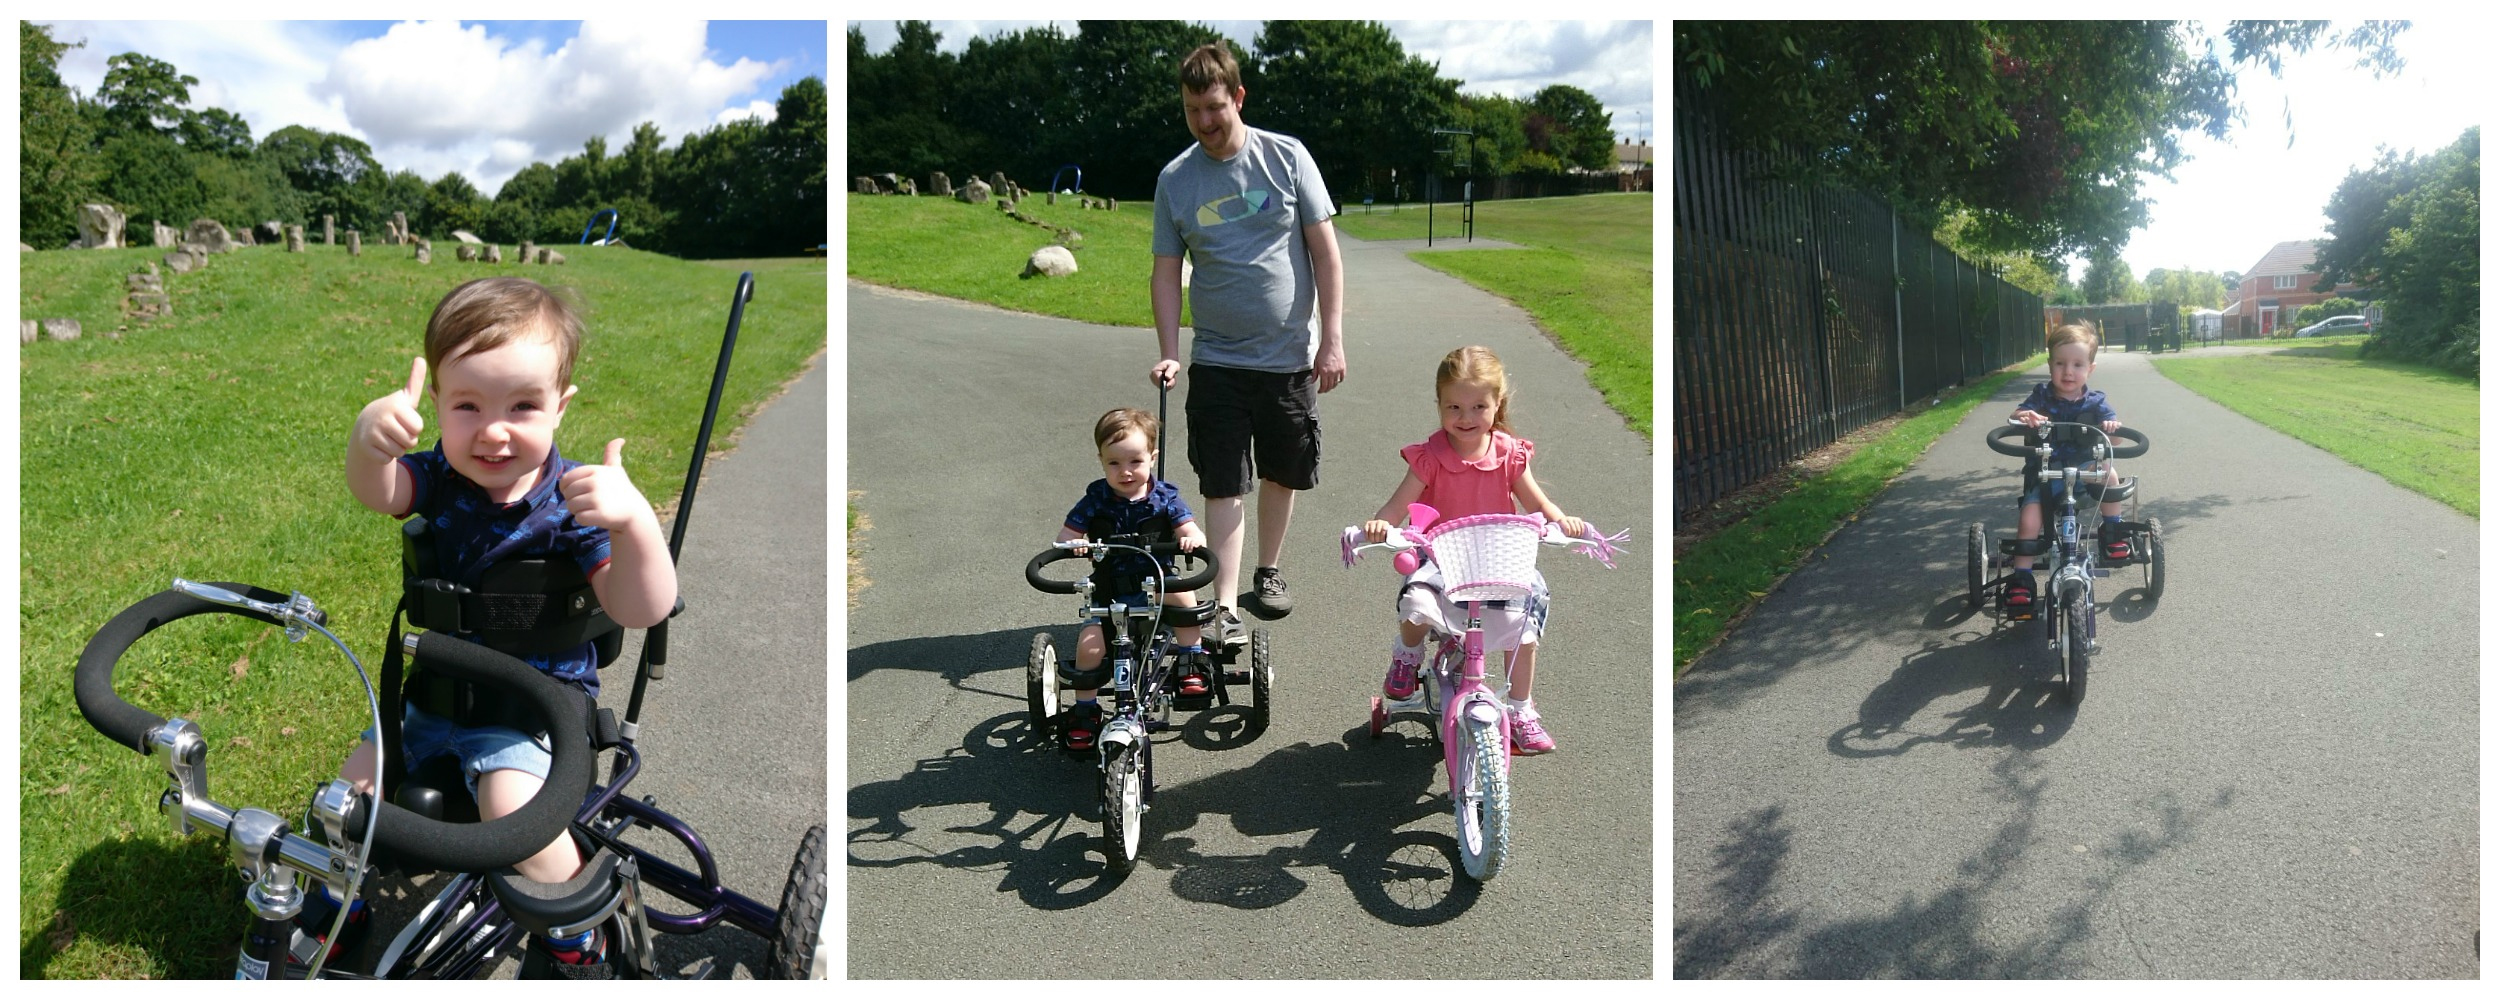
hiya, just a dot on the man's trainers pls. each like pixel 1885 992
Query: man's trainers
pixel 1527 738
pixel 1077 726
pixel 1400 684
pixel 1267 598
pixel 1228 624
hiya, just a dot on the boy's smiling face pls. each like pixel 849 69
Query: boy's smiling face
pixel 2070 365
pixel 1128 464
pixel 499 410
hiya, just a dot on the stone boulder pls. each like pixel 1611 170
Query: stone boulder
pixel 210 235
pixel 528 250
pixel 100 226
pixel 494 253
pixel 183 261
pixel 546 256
pixel 424 254
pixel 465 253
pixel 940 186
pixel 27 331
pixel 295 239
pixel 466 236
pixel 355 244
pixel 329 230
pixel 244 238
pixel 275 229
pixel 166 237
pixel 998 181
pixel 61 329
pixel 399 225
pixel 974 192
pixel 1050 261
pixel 864 185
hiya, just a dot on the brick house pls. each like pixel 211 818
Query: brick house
pixel 2271 292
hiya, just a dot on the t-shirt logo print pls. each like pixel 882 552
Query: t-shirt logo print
pixel 1231 207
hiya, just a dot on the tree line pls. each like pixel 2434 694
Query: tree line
pixel 1107 100
pixel 2410 228
pixel 743 188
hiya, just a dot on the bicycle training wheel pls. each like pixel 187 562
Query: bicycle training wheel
pixel 1480 796
pixel 1041 685
pixel 1123 808
pixel 798 949
pixel 1978 560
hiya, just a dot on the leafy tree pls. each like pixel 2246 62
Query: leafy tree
pixel 716 183
pixel 56 167
pixel 2043 130
pixel 329 169
pixel 900 104
pixel 2189 289
pixel 216 130
pixel 1126 77
pixel 149 177
pixel 1352 94
pixel 451 202
pixel 2410 228
pixel 244 190
pixel 144 94
pixel 2026 271
pixel 1501 136
pixel 2108 279
pixel 1012 107
pixel 1584 134
pixel 2315 311
pixel 794 150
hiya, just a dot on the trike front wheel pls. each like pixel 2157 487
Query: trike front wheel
pixel 1123 808
pixel 1978 561
pixel 2078 655
pixel 1262 679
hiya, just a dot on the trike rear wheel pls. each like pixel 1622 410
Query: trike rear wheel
pixel 1978 561
pixel 798 950
pixel 1262 679
pixel 1041 685
pixel 2153 569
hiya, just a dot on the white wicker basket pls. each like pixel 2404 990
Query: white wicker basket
pixel 1486 557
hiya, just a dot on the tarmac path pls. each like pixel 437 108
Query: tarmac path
pixel 2272 774
pixel 1307 850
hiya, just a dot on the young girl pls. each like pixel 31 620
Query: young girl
pixel 1473 466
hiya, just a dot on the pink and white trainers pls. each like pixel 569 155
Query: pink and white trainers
pixel 1527 738
pixel 1400 684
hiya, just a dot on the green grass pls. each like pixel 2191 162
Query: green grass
pixel 945 247
pixel 209 446
pixel 1725 574
pixel 2419 427
pixel 1588 279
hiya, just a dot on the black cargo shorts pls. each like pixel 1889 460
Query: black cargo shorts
pixel 1247 425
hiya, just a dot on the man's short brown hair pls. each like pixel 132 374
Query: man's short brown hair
pixel 488 313
pixel 1208 65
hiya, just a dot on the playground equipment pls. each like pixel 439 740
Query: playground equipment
pixel 610 237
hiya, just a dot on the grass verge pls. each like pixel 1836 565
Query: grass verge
pixel 2416 426
pixel 1587 279
pixel 208 446
pixel 975 252
pixel 1722 576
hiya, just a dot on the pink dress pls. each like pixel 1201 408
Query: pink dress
pixel 1459 488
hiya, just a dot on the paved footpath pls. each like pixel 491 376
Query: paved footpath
pixel 2273 773
pixel 1307 851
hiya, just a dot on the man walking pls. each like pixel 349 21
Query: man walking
pixel 1266 303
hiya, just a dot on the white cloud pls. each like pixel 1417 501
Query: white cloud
pixel 261 70
pixel 763 111
pixel 434 94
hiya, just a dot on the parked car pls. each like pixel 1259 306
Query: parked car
pixel 2336 324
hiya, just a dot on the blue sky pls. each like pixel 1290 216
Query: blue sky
pixel 484 98
pixel 1612 60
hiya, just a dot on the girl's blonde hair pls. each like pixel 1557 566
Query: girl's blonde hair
pixel 1476 366
pixel 2076 333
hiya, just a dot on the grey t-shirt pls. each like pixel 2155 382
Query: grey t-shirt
pixel 1252 299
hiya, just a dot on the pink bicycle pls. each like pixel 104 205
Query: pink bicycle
pixel 1482 558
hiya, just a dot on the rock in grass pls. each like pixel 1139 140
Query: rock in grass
pixel 1050 261
pixel 100 226
pixel 61 329
pixel 27 331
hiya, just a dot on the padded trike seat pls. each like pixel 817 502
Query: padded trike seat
pixel 545 908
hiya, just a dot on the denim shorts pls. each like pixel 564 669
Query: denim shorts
pixel 424 736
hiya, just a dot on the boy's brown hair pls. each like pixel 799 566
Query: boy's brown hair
pixel 1120 422
pixel 488 313
pixel 2076 333
pixel 1208 65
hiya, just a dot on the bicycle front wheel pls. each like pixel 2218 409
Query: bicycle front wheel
pixel 1480 795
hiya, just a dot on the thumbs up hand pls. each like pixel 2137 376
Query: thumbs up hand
pixel 602 496
pixel 388 427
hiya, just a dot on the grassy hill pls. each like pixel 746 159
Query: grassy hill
pixel 210 446
pixel 974 252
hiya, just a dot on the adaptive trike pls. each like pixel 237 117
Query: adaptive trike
pixel 411 824
pixel 1146 670
pixel 2063 598
pixel 1483 558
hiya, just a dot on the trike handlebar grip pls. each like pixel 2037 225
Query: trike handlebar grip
pixel 1033 572
pixel 121 721
pixel 506 840
pixel 1198 578
pixel 2000 440
pixel 2141 445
